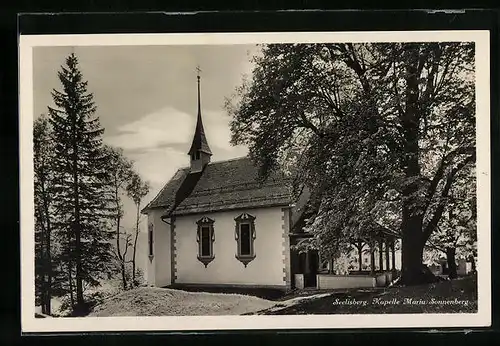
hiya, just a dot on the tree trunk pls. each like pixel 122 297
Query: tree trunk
pixel 70 279
pixel 413 271
pixel 135 242
pixel 393 253
pixel 43 295
pixel 124 278
pixel 452 264
pixel 387 263
pixel 412 250
pixel 79 273
pixel 121 258
pixel 45 247
pixel 43 268
pixel 360 256
pixel 48 292
pixel 473 264
pixel 372 259
pixel 76 224
pixel 380 256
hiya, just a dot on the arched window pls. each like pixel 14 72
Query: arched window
pixel 150 240
pixel 245 236
pixel 205 237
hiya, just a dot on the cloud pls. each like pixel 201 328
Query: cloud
pixel 158 142
pixel 162 127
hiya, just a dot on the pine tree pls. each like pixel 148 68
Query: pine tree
pixel 82 189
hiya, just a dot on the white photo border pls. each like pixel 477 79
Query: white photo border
pixel 31 324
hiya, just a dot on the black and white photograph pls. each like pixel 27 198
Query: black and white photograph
pixel 255 181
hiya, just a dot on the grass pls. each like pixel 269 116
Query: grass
pixel 456 296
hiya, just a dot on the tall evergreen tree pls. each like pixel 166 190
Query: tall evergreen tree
pixel 82 180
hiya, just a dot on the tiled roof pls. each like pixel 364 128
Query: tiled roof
pixel 223 185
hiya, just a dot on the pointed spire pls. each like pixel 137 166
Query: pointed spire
pixel 199 139
pixel 199 97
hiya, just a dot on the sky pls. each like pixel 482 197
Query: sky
pixel 146 98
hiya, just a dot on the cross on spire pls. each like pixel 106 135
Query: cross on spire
pixel 199 139
pixel 198 70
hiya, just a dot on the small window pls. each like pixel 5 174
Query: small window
pixel 195 155
pixel 245 239
pixel 205 237
pixel 245 236
pixel 150 239
pixel 206 250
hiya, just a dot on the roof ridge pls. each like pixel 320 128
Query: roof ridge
pixel 237 187
pixel 229 160
pixel 220 161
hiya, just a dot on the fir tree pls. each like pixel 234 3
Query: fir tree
pixel 82 184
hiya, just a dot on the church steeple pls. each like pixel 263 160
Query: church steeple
pixel 200 151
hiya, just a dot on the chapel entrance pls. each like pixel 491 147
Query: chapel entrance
pixel 310 266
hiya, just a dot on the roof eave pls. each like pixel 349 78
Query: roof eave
pixel 193 211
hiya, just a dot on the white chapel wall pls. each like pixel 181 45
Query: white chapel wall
pixel 267 269
pixel 158 271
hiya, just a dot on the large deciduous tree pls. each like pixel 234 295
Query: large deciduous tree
pixel 364 124
pixel 121 172
pixel 46 278
pixel 81 183
pixel 137 189
pixel 456 234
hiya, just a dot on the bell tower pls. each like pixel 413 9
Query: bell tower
pixel 199 152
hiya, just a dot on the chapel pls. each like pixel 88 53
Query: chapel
pixel 215 223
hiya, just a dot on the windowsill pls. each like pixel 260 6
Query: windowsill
pixel 206 259
pixel 245 259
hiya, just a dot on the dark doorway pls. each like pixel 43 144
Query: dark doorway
pixel 310 265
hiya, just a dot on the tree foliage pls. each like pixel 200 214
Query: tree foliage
pixel 456 233
pixel 369 127
pixel 47 275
